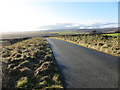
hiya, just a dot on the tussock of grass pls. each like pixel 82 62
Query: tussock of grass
pixel 30 65
pixel 106 44
pixel 23 83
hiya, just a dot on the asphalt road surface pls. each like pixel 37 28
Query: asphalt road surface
pixel 85 68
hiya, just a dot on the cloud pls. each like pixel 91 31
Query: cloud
pixel 79 26
pixel 22 15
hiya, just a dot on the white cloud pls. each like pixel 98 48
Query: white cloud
pixel 20 15
pixel 110 25
pixel 80 26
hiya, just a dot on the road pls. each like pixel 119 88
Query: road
pixel 83 67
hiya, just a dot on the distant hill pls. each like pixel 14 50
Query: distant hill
pixel 103 30
pixel 55 32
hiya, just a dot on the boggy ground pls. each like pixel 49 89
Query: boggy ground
pixel 106 44
pixel 29 65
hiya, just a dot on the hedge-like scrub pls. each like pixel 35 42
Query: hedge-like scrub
pixel 106 44
pixel 30 65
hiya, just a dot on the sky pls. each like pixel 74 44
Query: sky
pixel 30 15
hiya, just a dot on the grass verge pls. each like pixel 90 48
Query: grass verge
pixel 105 44
pixel 29 64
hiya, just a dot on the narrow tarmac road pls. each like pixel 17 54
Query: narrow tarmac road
pixel 85 68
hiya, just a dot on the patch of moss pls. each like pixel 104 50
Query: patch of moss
pixel 23 83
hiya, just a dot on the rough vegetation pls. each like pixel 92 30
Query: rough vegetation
pixel 30 64
pixel 7 42
pixel 103 43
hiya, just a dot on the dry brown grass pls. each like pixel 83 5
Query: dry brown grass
pixel 30 64
pixel 106 44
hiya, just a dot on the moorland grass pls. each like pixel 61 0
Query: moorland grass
pixel 30 64
pixel 113 34
pixel 103 43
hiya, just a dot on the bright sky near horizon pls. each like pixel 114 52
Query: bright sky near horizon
pixel 29 15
